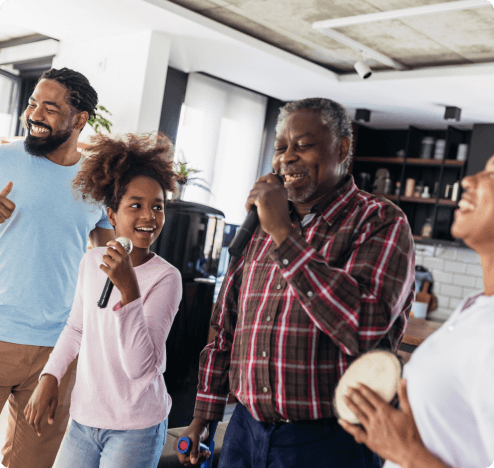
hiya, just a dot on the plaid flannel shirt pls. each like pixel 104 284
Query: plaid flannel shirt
pixel 289 320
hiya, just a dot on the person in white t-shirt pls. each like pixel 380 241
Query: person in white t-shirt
pixel 447 405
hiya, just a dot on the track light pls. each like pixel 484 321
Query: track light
pixel 452 113
pixel 362 69
pixel 362 115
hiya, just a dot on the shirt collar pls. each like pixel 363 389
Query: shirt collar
pixel 332 204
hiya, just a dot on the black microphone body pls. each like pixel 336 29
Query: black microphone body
pixel 245 232
pixel 106 293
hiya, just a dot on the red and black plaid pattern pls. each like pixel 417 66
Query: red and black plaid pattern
pixel 291 319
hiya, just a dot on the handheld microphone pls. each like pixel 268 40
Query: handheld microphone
pixel 126 243
pixel 245 232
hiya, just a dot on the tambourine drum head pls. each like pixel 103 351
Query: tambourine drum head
pixel 379 370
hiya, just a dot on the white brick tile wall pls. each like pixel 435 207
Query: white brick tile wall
pixel 455 267
pixel 446 253
pixel 456 272
pixel 464 280
pixel 442 277
pixel 470 291
pixel 474 270
pixel 468 256
pixel 431 263
pixel 450 291
pixel 454 303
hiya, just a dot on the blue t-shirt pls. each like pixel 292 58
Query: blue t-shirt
pixel 41 246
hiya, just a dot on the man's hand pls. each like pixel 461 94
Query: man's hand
pixel 391 433
pixel 271 199
pixel 43 399
pixel 118 266
pixel 7 207
pixel 197 432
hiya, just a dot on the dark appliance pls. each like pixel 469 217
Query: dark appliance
pixel 191 240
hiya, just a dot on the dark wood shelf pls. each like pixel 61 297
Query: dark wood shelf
pixel 411 161
pixel 430 201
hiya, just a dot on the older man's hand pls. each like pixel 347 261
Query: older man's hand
pixel 391 433
pixel 271 199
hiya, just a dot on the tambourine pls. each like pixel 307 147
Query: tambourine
pixel 380 370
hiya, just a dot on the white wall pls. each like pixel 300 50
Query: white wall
pixel 128 73
pixel 456 272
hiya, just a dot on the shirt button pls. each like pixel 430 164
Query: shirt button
pixel 450 328
pixel 268 319
pixel 278 286
pixel 285 261
pixel 265 389
pixel 264 354
pixel 310 294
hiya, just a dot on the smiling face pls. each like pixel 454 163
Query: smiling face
pixel 140 215
pixel 307 158
pixel 474 218
pixel 50 120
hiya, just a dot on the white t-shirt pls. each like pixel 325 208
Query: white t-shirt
pixel 450 383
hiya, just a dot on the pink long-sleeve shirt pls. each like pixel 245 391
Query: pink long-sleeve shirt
pixel 122 353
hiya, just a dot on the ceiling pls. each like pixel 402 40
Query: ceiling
pixel 452 38
pixel 270 46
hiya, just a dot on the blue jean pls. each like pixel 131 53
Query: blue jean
pixel 89 447
pixel 252 444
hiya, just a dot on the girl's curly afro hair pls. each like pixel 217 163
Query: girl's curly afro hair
pixel 110 163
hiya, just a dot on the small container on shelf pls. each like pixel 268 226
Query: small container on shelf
pixel 426 230
pixel 455 191
pixel 388 185
pixel 410 188
pixel 398 188
pixel 461 154
pixel 425 193
pixel 439 149
pixel 426 148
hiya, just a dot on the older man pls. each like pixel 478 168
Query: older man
pixel 325 278
pixel 43 235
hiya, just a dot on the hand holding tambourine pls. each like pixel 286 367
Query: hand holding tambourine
pixel 380 370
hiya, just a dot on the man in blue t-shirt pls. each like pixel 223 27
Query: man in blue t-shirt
pixel 44 230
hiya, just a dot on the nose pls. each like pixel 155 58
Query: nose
pixel 149 214
pixel 36 114
pixel 288 156
pixel 468 181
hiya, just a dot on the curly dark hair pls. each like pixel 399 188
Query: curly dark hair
pixel 81 95
pixel 110 163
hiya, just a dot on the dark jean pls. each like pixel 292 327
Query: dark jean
pixel 324 444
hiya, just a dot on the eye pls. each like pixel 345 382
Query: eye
pixel 158 207
pixel 135 205
pixel 279 149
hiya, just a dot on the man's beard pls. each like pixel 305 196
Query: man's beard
pixel 304 196
pixel 42 146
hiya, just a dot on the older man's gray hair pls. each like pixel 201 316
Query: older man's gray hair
pixel 333 115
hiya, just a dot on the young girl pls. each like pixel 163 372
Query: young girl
pixel 119 404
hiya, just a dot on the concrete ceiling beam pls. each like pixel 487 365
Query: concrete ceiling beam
pixel 402 13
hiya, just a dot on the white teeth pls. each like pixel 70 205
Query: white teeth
pixel 464 205
pixel 145 229
pixel 293 177
pixel 39 129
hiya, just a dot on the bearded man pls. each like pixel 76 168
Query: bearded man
pixel 327 275
pixel 43 236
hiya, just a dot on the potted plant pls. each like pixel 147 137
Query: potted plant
pixel 185 176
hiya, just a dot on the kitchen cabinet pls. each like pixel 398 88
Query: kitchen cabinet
pixel 398 153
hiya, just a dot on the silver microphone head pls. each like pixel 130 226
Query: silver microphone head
pixel 126 243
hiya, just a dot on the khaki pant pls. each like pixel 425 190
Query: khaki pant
pixel 20 366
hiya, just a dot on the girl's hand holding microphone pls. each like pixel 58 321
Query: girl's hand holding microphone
pixel 118 266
